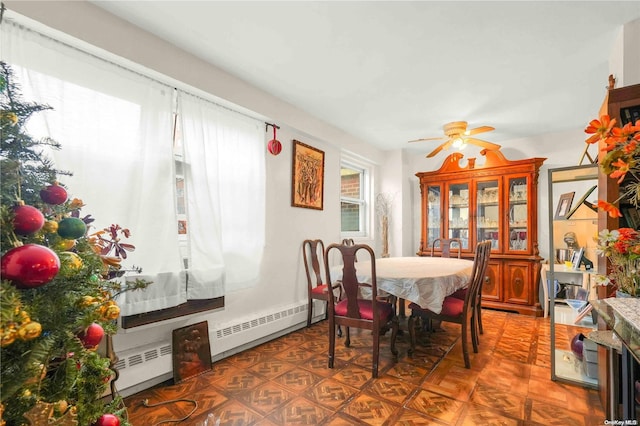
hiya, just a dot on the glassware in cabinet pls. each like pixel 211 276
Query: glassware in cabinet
pixel 434 216
pixel 518 214
pixel 488 212
pixel 458 213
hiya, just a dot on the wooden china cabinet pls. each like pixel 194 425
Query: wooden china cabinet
pixel 496 201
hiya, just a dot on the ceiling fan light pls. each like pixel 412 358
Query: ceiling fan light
pixel 458 143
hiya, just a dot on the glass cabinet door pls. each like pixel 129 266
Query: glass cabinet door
pixel 458 214
pixel 488 212
pixel 518 214
pixel 434 216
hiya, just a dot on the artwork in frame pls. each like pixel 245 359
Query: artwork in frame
pixel 576 259
pixel 564 205
pixel 307 181
pixel 191 351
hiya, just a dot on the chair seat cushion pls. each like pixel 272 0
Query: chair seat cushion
pixel 451 307
pixel 365 307
pixel 460 294
pixel 321 289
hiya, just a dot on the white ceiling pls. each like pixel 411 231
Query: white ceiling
pixel 389 72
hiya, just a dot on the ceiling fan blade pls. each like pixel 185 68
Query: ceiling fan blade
pixel 435 151
pixel 429 139
pixel 445 145
pixel 480 129
pixel 488 145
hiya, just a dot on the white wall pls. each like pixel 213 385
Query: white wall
pixel 624 61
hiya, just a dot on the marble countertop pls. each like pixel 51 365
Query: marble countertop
pixel 622 315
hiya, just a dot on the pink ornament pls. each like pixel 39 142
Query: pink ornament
pixel 108 420
pixel 30 266
pixel 27 220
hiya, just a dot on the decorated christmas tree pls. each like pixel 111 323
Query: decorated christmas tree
pixel 57 300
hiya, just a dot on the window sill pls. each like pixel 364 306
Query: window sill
pixel 191 307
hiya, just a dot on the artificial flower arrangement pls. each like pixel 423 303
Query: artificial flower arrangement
pixel 620 160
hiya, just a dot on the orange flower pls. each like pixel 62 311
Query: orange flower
pixel 621 171
pixel 612 210
pixel 599 128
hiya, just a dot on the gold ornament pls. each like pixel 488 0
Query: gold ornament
pixel 50 226
pixel 30 331
pixel 41 414
pixel 64 245
pixel 8 337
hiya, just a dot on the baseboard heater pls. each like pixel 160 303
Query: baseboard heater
pixel 144 367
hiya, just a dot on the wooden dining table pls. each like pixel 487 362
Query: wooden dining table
pixel 422 280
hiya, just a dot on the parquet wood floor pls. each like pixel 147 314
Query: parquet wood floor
pixel 287 382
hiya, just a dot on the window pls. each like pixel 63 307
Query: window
pixel 354 199
pixel 171 174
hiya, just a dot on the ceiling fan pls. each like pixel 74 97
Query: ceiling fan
pixel 458 136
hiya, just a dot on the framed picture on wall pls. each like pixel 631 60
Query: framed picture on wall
pixel 307 180
pixel 564 205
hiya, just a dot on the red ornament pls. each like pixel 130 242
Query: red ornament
pixel 27 220
pixel 54 194
pixel 274 146
pixel 108 420
pixel 30 266
pixel 92 335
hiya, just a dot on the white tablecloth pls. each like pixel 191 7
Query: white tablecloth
pixel 423 280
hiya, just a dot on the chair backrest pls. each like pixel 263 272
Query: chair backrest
pixel 348 242
pixel 313 252
pixel 445 245
pixel 351 286
pixel 480 263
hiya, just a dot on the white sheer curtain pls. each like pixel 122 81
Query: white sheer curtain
pixel 115 131
pixel 225 186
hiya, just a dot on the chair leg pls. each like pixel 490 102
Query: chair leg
pixel 411 325
pixel 309 312
pixel 332 341
pixel 347 339
pixel 395 326
pixel 465 346
pixel 479 309
pixel 376 354
pixel 475 338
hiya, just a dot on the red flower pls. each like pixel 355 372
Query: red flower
pixel 612 210
pixel 627 234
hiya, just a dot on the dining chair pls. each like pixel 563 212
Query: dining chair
pixel 456 310
pixel 313 252
pixel 445 245
pixel 353 310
